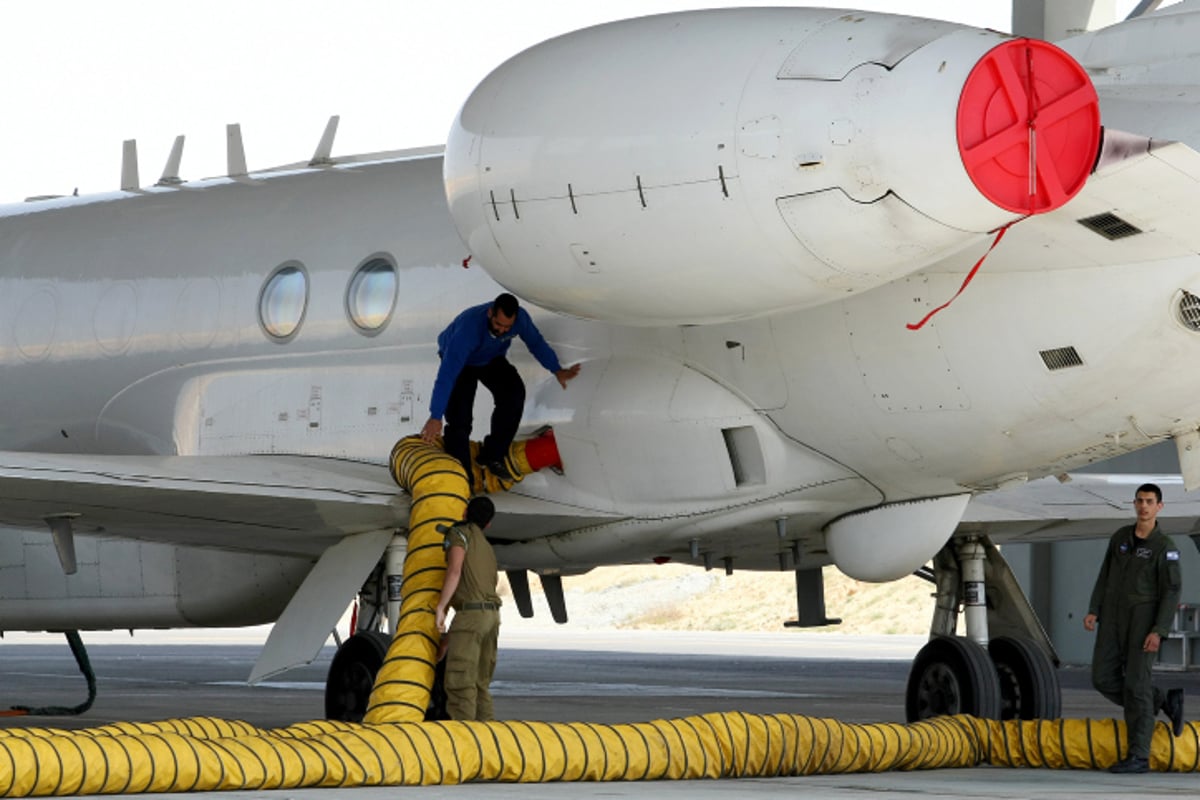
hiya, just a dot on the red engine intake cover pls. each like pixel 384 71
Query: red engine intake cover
pixel 1028 126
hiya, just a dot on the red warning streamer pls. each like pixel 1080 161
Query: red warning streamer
pixel 916 326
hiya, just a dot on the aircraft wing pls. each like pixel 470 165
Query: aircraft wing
pixel 1080 506
pixel 283 504
pixel 293 505
pixel 337 513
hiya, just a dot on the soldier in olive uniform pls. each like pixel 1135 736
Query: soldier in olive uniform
pixel 1136 595
pixel 470 589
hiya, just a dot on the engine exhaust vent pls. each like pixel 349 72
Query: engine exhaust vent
pixel 1061 358
pixel 1189 311
pixel 745 456
pixel 1110 226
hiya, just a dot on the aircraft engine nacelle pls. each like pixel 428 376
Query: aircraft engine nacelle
pixel 713 165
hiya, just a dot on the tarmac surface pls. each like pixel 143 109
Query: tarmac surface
pixel 594 676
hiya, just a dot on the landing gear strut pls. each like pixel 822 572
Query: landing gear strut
pixel 1009 676
pixel 352 671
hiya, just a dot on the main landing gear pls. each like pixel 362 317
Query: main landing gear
pixel 352 675
pixel 1008 676
pixel 352 672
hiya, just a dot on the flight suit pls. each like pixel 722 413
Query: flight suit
pixel 1136 592
pixel 475 630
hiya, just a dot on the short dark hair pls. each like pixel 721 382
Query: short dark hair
pixel 480 511
pixel 506 304
pixel 1149 487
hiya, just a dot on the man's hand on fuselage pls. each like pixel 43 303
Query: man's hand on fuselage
pixel 566 374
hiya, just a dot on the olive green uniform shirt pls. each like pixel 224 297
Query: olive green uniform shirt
pixel 1138 571
pixel 474 633
pixel 477 584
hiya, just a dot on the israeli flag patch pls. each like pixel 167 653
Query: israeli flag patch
pixel 1172 555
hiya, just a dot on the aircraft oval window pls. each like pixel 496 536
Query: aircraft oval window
pixel 371 295
pixel 283 301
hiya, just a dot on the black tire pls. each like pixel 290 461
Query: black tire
pixel 352 675
pixel 952 675
pixel 438 699
pixel 1028 681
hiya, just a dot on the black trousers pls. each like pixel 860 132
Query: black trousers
pixel 508 391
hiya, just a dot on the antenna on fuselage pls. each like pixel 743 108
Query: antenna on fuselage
pixel 170 175
pixel 129 166
pixel 324 152
pixel 235 153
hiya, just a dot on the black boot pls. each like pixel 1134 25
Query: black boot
pixel 500 470
pixel 1133 764
pixel 1173 708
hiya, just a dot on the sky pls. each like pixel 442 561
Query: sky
pixel 81 76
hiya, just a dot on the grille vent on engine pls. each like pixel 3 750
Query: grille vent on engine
pixel 1110 226
pixel 1061 358
pixel 1189 311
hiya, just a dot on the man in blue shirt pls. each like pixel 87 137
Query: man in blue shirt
pixel 473 349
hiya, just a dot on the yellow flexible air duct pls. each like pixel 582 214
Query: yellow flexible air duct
pixel 439 491
pixel 205 755
pixel 394 747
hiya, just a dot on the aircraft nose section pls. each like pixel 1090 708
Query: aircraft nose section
pixel 1028 126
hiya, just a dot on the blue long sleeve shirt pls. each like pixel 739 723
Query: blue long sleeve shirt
pixel 468 341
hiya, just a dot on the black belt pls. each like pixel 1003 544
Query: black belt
pixel 480 607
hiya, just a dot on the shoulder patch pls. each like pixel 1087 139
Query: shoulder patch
pixel 1172 555
pixel 455 537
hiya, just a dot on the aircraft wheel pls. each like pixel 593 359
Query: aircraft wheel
pixel 1028 681
pixel 352 675
pixel 952 675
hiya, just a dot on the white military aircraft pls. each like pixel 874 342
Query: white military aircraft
pixel 741 222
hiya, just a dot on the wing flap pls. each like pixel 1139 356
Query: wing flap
pixel 298 634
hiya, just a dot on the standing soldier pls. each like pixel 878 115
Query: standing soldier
pixel 470 589
pixel 1136 595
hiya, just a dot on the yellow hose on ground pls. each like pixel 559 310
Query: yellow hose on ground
pixel 200 754
pixel 394 747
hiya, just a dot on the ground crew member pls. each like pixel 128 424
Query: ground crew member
pixel 1135 598
pixel 470 589
pixel 472 349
